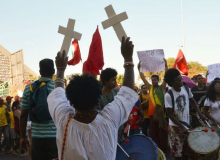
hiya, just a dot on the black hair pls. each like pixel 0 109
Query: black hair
pixel 46 67
pixel 198 76
pixel 217 79
pixel 14 105
pixel 83 92
pixel 156 76
pixel 211 93
pixel 142 86
pixel 107 74
pixel 170 75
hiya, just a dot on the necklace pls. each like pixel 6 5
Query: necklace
pixel 87 116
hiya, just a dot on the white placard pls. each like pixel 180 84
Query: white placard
pixel 214 71
pixel 151 60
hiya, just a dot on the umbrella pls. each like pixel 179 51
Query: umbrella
pixel 189 83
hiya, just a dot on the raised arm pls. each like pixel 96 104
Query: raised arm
pixel 147 84
pixel 166 68
pixel 127 53
pixel 207 73
pixel 61 63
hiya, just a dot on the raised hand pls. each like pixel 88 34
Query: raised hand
pixel 61 60
pixel 139 66
pixel 127 49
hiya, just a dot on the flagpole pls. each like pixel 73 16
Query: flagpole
pixel 184 48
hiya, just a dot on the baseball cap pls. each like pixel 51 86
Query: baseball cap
pixel 1 99
pixel 8 97
pixel 18 99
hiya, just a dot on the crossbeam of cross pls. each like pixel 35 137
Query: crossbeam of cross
pixel 115 21
pixel 68 33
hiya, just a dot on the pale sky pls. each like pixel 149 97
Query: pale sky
pixel 151 25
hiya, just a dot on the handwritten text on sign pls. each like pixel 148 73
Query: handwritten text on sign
pixel 214 71
pixel 151 60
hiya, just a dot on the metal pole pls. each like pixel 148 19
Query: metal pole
pixel 184 48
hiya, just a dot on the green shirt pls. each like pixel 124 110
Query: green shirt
pixel 40 129
pixel 107 98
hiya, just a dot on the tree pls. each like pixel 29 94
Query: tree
pixel 194 69
pixel 120 78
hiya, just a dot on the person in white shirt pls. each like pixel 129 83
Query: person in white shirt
pixel 90 135
pixel 178 112
pixel 212 103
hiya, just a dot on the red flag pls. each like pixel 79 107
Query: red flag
pixel 76 54
pixel 181 63
pixel 95 60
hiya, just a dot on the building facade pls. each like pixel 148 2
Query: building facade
pixel 13 70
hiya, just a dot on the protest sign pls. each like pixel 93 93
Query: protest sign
pixel 214 71
pixel 151 60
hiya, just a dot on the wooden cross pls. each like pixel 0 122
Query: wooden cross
pixel 114 20
pixel 68 33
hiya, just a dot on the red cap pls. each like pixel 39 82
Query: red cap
pixel 8 97
pixel 1 99
pixel 17 99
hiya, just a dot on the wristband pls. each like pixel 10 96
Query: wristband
pixel 129 64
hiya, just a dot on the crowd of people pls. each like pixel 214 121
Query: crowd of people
pixel 87 119
pixel 10 126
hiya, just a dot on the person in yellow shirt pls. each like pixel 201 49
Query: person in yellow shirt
pixel 4 125
pixel 144 98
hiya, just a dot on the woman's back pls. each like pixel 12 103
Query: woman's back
pixel 96 140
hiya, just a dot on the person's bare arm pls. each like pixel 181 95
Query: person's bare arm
pixel 23 122
pixel 205 111
pixel 61 63
pixel 207 73
pixel 147 84
pixel 174 120
pixel 166 68
pixel 127 53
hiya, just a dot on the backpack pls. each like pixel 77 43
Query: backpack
pixel 170 92
pixel 38 107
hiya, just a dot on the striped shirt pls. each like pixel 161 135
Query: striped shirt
pixel 39 129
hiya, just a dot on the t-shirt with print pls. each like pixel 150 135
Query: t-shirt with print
pixel 135 117
pixel 40 129
pixel 214 109
pixel 181 102
pixel 3 119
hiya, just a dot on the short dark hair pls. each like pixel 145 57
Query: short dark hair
pixel 217 79
pixel 46 67
pixel 170 75
pixel 83 92
pixel 156 76
pixel 107 74
pixel 198 76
